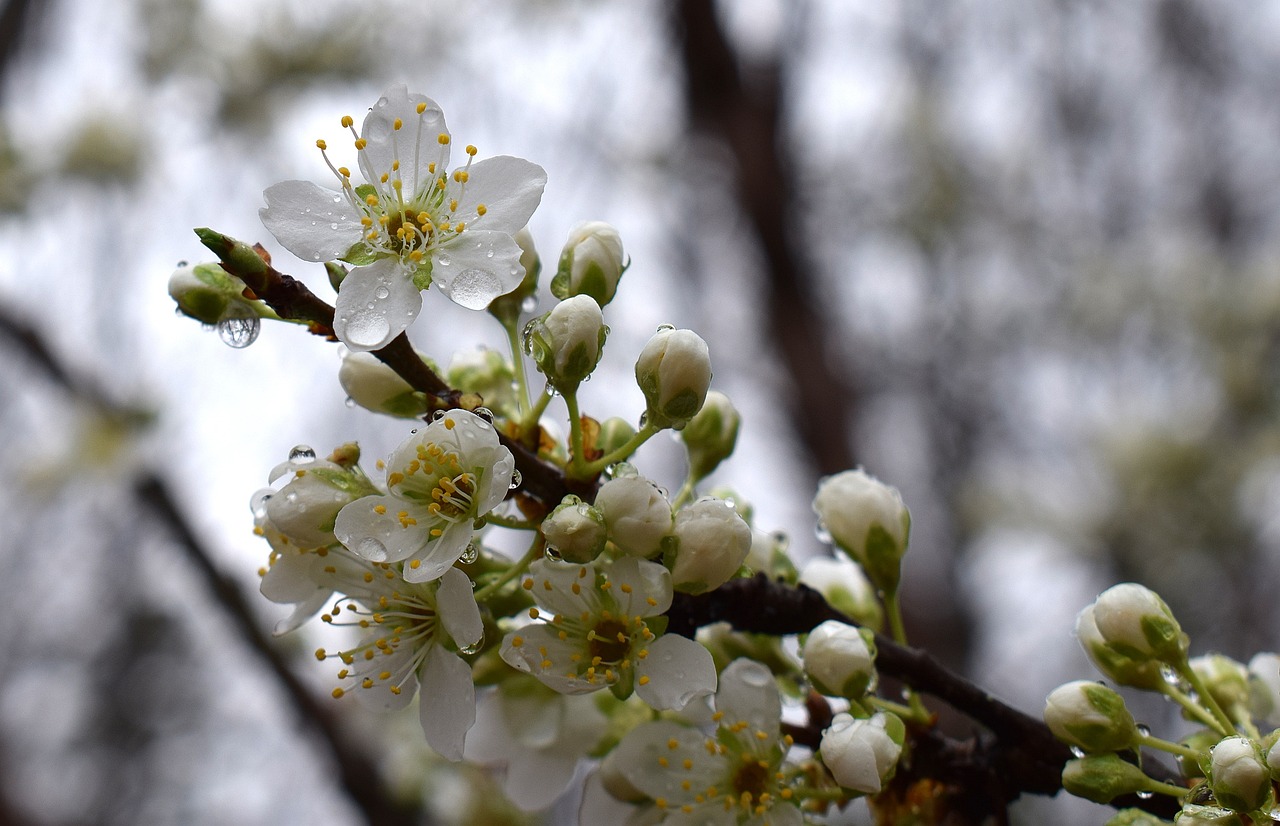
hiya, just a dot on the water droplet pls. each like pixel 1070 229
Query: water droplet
pixel 239 332
pixel 781 539
pixel 337 199
pixel 333 225
pixel 443 259
pixel 470 554
pixel 611 471
pixel 1146 795
pixel 291 496
pixel 475 288
pixel 1144 729
pixel 488 254
pixel 663 328
pixel 302 454
pixel 182 263
pixel 484 413
pixel 371 549
pixel 307 211
pixel 258 504
pixel 644 420
pixel 823 535
pixel 473 648
pixel 369 306
pixel 553 554
pixel 529 304
pixel 516 479
pixel 381 293
pixel 1077 751
pixel 349 402
pixel 436 416
pixel 367 329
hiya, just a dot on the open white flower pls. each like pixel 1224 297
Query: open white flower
pixel 732 776
pixel 411 634
pixel 599 635
pixel 439 481
pixel 411 224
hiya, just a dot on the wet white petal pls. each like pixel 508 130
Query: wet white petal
pixel 749 692
pixel 509 188
pixel 385 145
pixel 458 610
pixel 447 708
pixel 313 223
pixel 375 304
pixel 380 537
pixel 679 671
pixel 477 267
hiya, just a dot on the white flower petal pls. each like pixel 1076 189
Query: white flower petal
pixel 313 223
pixel 638 754
pixel 447 704
pixel 375 304
pixel 302 612
pixel 527 658
pixel 380 537
pixel 288 580
pixel 438 554
pixel 553 587
pixel 379 697
pixel 489 740
pixel 598 806
pixel 646 580
pixel 510 189
pixel 534 716
pixel 416 141
pixel 534 784
pixel 749 692
pixel 477 267
pixel 679 671
pixel 779 814
pixel 458 610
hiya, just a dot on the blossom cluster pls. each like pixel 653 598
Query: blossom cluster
pixel 562 654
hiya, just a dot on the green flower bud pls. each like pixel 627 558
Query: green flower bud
pixel 375 386
pixel 1090 716
pixel 1227 682
pixel 867 519
pixel 209 294
pixel 566 343
pixel 674 372
pixel 841 660
pixel 614 433
pixel 1139 673
pixel 1135 817
pixel 1201 741
pixel 711 542
pixel 710 436
pixel 845 588
pixel 1238 775
pixel 575 530
pixel 1264 687
pixel 1135 622
pixel 1102 778
pixel 591 263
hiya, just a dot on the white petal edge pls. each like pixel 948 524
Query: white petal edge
pixel 447 702
pixel 679 671
pixel 459 613
pixel 313 223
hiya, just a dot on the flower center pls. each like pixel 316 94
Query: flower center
pixel 609 641
pixel 752 777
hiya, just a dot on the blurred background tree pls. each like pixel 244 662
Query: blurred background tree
pixel 1017 259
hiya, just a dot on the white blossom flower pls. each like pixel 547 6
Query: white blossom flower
pixel 1264 687
pixel 439 481
pixel 733 776
pixel 411 633
pixel 411 224
pixel 599 636
pixel 1137 623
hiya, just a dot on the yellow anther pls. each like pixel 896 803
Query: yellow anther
pixel 517 641
pixel 459 227
pixel 368 577
pixel 262 572
pixel 320 655
pixel 384 177
pixel 321 145
pixel 471 150
pixel 380 509
pixel 347 122
pixel 442 139
pixel 342 674
pixel 395 689
pixel 450 424
pixel 415 563
pixel 422 107
pixel 673 744
pixel 338 692
pixel 361 143
pixel 576 588
pixel 461 176
pixel 534 613
pixel 663 762
pixel 371 199
pixel 626 589
pixel 344 172
pixel 329 569
pixel 395 479
pixel 481 209
pixel 366 683
pixel 527 584
pixel 644 680
pixel 688 764
pixel 397 124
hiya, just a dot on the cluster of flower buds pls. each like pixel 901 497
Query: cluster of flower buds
pixel 1133 638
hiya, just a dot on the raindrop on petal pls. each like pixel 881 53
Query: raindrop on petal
pixel 371 549
pixel 470 554
pixel 473 648
pixel 367 329
pixel 484 413
pixel 436 416
pixel 529 304
pixel 258 504
pixel 381 293
pixel 516 479
pixel 663 328
pixel 302 454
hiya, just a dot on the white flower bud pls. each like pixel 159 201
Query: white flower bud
pixel 1273 760
pixel 637 514
pixel 304 510
pixel 845 588
pixel 566 342
pixel 1226 680
pixel 674 372
pixel 710 436
pixel 375 386
pixel 1238 775
pixel 1135 622
pixel 575 530
pixel 1103 777
pixel 1090 716
pixel 711 543
pixel 841 660
pixel 1194 814
pixel 1264 687
pixel 591 263
pixel 862 754
pixel 868 520
pixel 1139 673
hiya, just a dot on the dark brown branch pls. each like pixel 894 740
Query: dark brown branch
pixel 357 771
pixel 1021 750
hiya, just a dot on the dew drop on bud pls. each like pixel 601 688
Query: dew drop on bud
pixel 529 304
pixel 436 416
pixel 349 402
pixel 239 332
pixel 1144 729
pixel 516 479
pixel 473 648
pixel 823 535
pixel 553 554
pixel 665 328
pixel 1145 795
pixel 469 555
pixel 484 413
pixel 258 504
pixel 371 549
pixel 302 454
pixel 1077 751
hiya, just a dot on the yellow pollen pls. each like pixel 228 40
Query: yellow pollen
pixel 442 139
pixel 516 642
pixel 397 124
pixel 347 122
pixel 527 584
pixel 652 602
pixel 367 683
pixel 344 172
pixel 461 176
pixel 320 655
pixel 384 177
pixel 449 424
pixel 361 143
pixel 395 479
pixel 380 509
pixel 262 572
pixel 673 744
pixel 342 674
pixel 481 209
pixel 395 689
pixel 644 680
pixel 415 563
pixel 533 613
pixel 368 577
pixel 626 589
pixel 338 692
pixel 422 107
pixel 688 764
pixel 471 150
pixel 663 762
pixel 321 145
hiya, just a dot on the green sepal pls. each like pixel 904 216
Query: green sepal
pixel 658 625
pixel 408 405
pixel 1136 817
pixel 359 255
pixel 364 191
pixel 422 275
pixel 625 686
pixel 337 274
pixel 883 562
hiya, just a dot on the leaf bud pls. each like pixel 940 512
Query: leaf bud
pixel 375 386
pixel 209 294
pixel 1102 778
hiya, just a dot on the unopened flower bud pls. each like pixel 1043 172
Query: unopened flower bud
pixel 375 386
pixel 507 308
pixel 1135 622
pixel 1103 777
pixel 1090 716
pixel 674 372
pixel 710 436
pixel 575 530
pixel 614 433
pixel 1273 760
pixel 841 659
pixel 868 520
pixel 862 754
pixel 304 509
pixel 845 588
pixel 209 294
pixel 1194 814
pixel 1264 687
pixel 1140 673
pixel 637 514
pixel 591 263
pixel 1238 775
pixel 711 543
pixel 488 374
pixel 566 342
pixel 1227 682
